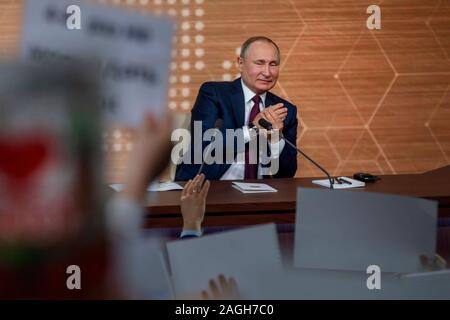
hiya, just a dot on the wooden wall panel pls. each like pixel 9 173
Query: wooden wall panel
pixel 375 101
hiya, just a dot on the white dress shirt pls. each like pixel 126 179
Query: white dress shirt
pixel 237 169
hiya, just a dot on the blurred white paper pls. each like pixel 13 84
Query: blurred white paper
pixel 348 230
pixel 118 187
pixel 155 186
pixel 301 284
pixel 164 186
pixel 247 254
pixel 129 51
pixel 425 285
pixel 344 285
pixel 319 284
pixel 141 269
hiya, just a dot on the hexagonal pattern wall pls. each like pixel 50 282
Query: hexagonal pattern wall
pixel 374 101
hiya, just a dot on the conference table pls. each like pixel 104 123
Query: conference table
pixel 226 206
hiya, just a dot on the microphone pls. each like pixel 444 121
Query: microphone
pixel 217 125
pixel 265 124
pixel 268 126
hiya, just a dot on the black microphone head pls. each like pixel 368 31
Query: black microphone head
pixel 265 124
pixel 218 124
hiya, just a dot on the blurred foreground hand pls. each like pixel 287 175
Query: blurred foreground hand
pixel 221 289
pixel 150 155
pixel 432 263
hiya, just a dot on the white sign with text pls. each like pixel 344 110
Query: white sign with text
pixel 128 51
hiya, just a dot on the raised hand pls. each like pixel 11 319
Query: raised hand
pixel 193 202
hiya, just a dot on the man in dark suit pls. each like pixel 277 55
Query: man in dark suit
pixel 241 104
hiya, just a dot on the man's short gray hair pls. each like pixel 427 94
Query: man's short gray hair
pixel 249 41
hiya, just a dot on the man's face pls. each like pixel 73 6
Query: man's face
pixel 260 67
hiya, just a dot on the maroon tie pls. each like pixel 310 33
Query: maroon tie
pixel 251 170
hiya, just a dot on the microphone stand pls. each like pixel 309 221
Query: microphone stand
pixel 311 160
pixel 213 138
pixel 218 124
pixel 268 126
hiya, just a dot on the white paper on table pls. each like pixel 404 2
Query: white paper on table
pixel 155 186
pixel 246 187
pixel 129 50
pixel 247 254
pixel 350 230
pixel 353 183
pixel 164 186
pixel 118 187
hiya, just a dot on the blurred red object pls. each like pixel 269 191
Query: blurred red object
pixel 51 213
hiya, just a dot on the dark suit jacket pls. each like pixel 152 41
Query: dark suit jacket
pixel 225 100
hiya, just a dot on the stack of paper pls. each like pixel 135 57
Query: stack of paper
pixel 253 187
pixel 346 183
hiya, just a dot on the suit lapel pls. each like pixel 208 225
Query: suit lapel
pixel 237 102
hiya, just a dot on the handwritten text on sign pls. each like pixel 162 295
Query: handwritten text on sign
pixel 130 52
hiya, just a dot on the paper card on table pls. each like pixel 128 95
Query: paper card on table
pixel 245 187
pixel 349 230
pixel 129 51
pixel 164 186
pixel 347 183
pixel 245 254
pixel 155 186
